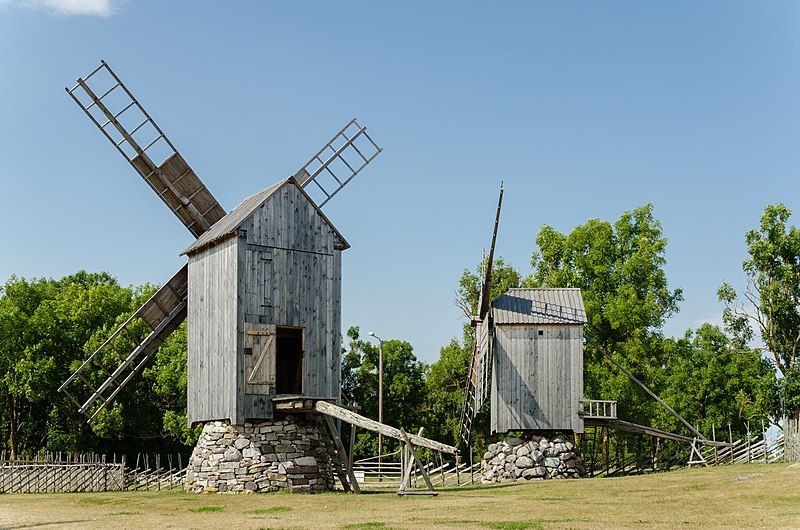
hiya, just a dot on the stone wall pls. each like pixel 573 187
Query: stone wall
pixel 534 457
pixel 289 452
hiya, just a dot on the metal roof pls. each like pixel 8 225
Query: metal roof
pixel 539 306
pixel 229 224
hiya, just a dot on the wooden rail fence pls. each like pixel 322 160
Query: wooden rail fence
pixel 72 473
pixel 387 473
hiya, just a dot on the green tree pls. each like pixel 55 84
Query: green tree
pixel 47 328
pixel 504 277
pixel 619 268
pixel 403 386
pixel 713 380
pixel 43 327
pixel 770 304
pixel 444 390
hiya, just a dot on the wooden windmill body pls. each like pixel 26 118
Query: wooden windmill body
pixel 264 307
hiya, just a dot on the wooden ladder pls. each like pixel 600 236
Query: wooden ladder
pixel 468 410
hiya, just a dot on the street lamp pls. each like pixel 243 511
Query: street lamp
pixel 380 395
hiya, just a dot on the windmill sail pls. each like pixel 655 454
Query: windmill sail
pixel 139 139
pixel 479 376
pixel 146 329
pixel 129 127
pixel 337 162
pixel 486 285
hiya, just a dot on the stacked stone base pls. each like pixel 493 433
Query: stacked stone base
pixel 529 458
pixel 291 452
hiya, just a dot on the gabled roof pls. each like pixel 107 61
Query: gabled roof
pixel 539 306
pixel 229 224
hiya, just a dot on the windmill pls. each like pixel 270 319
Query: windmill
pixel 478 379
pixel 111 106
pixel 527 358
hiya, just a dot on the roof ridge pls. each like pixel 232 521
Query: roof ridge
pixel 226 226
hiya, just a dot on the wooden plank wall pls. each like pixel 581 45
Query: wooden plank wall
pixel 213 364
pixel 537 380
pixel 291 276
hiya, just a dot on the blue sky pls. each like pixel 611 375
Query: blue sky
pixel 584 109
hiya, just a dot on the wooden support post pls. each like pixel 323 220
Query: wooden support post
pixel 351 456
pixel 124 462
pixel 347 472
pixel 407 467
pixel 716 449
pixel 730 439
pixel 415 460
pixel 748 442
pixel 695 456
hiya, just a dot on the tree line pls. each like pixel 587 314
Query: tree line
pixel 711 375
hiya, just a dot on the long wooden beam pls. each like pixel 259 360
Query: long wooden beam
pixel 627 426
pixel 652 394
pixel 351 417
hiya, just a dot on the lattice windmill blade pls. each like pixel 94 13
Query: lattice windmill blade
pixel 129 127
pixel 337 162
pixel 161 315
pixel 486 285
pixel 480 367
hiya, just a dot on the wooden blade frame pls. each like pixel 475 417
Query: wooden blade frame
pixel 486 285
pixel 171 178
pixel 162 314
pixel 338 162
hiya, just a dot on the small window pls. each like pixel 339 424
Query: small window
pixel 541 332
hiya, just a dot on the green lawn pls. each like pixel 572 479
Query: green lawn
pixel 754 495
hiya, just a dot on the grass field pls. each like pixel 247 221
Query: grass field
pixel 754 495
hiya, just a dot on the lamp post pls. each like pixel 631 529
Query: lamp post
pixel 380 395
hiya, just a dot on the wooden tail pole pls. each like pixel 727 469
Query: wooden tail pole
pixel 653 395
pixel 334 411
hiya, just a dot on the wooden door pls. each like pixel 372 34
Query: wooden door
pixel 259 358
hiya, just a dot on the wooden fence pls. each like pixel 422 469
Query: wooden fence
pixel 748 450
pixel 387 472
pixel 630 454
pixel 70 473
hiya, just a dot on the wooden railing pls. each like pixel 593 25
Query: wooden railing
pixel 597 408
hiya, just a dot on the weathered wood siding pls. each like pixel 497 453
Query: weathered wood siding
pixel 291 276
pixel 281 268
pixel 213 364
pixel 537 380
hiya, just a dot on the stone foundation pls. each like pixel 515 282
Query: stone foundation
pixel 289 452
pixel 534 457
